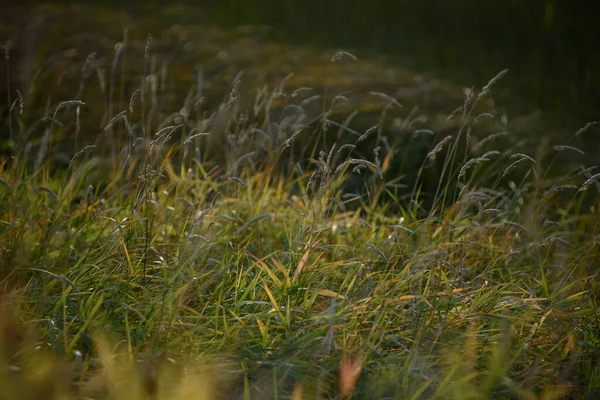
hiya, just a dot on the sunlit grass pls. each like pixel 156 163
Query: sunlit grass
pixel 258 247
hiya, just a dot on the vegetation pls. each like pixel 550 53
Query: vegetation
pixel 273 240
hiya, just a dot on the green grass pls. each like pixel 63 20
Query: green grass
pixel 257 262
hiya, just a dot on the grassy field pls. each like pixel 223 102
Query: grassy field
pixel 173 233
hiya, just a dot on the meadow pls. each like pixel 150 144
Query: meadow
pixel 203 214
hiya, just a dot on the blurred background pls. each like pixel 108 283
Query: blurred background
pixel 549 46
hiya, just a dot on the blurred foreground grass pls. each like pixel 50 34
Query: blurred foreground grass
pixel 272 236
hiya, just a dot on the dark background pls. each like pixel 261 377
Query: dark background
pixel 549 46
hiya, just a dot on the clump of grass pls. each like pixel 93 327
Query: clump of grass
pixel 264 248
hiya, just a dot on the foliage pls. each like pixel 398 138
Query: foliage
pixel 265 248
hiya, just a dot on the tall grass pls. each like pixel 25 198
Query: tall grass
pixel 264 246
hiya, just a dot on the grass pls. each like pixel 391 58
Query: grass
pixel 245 243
